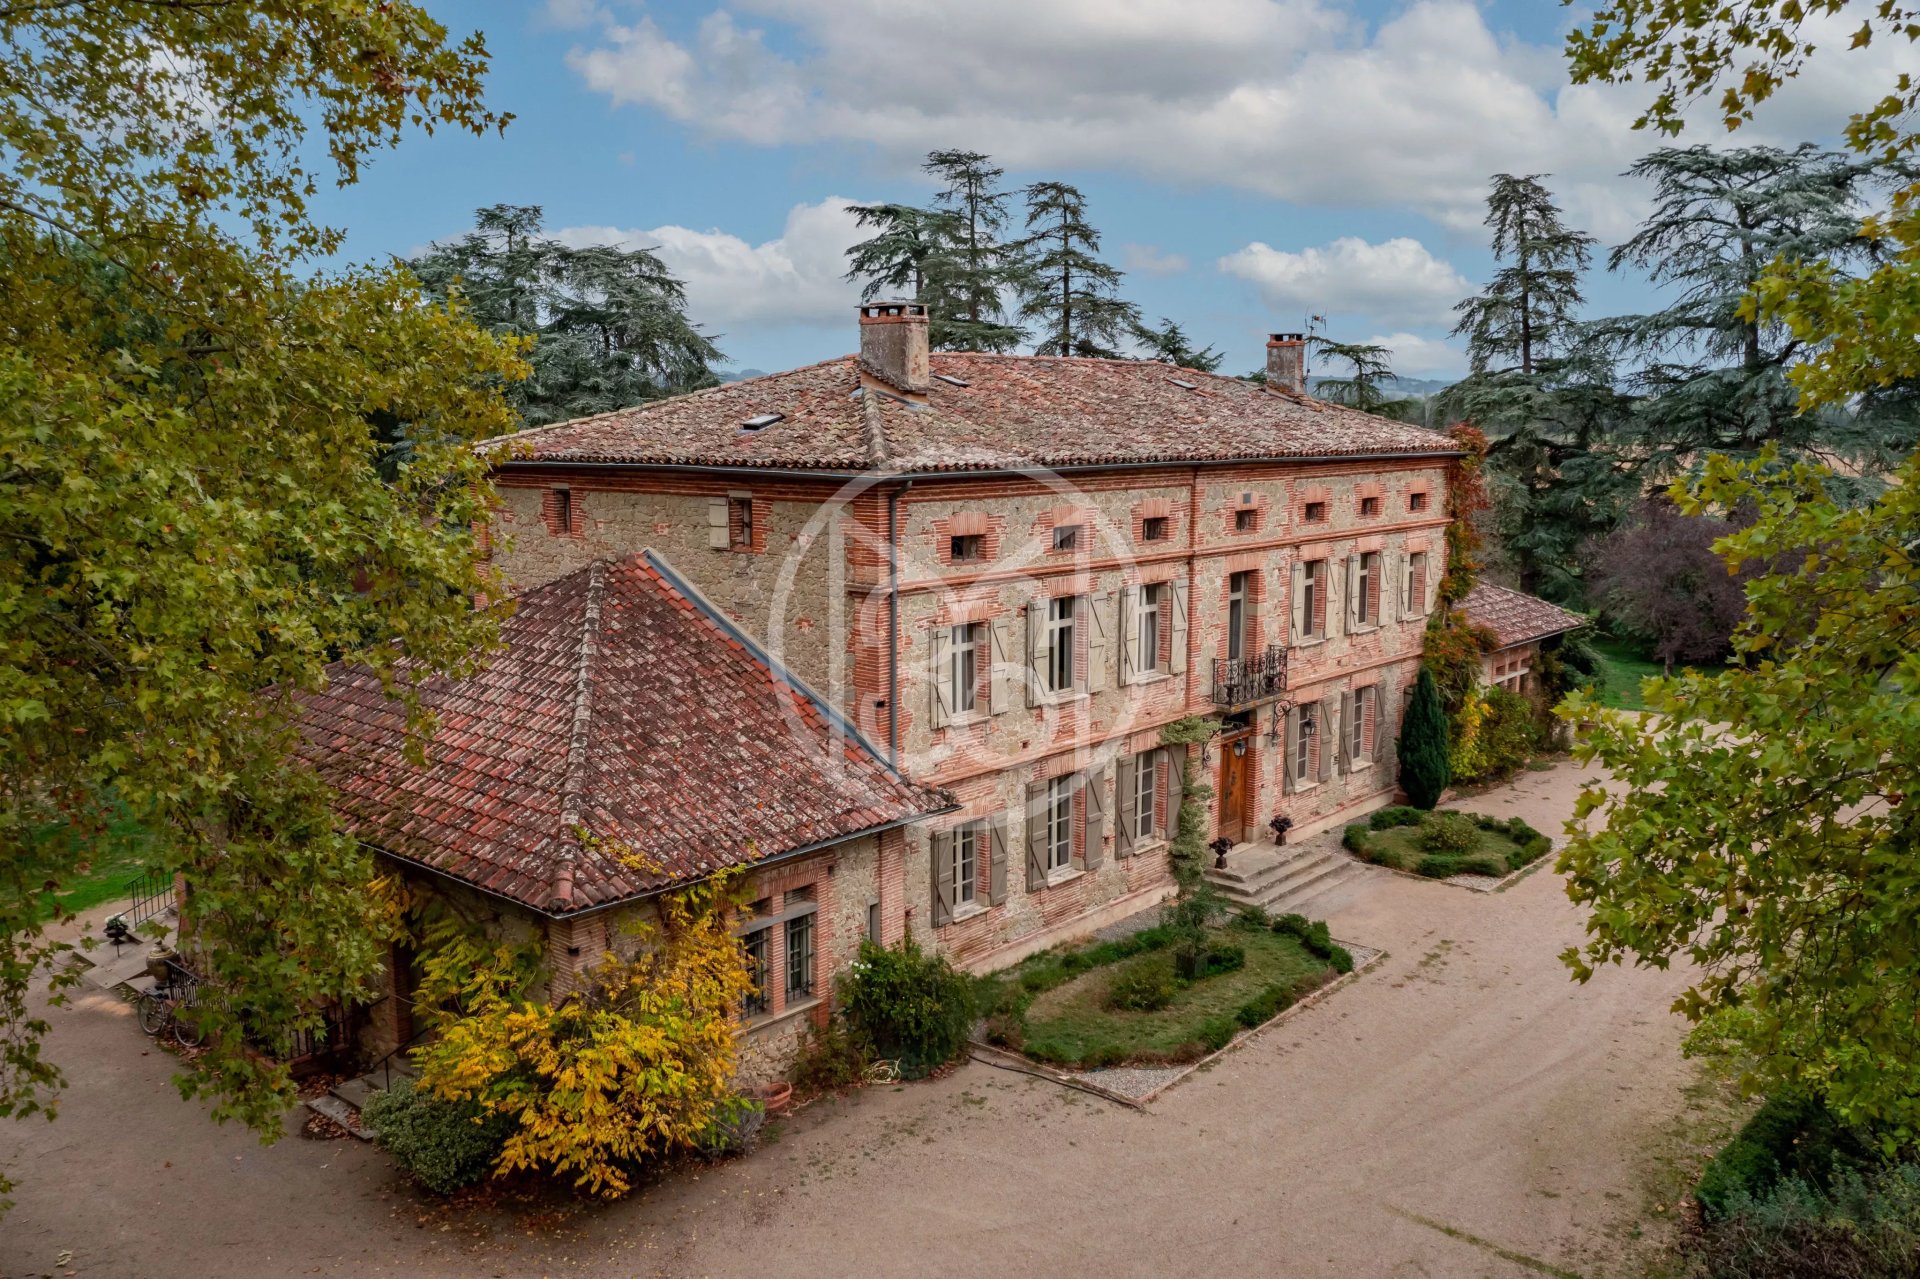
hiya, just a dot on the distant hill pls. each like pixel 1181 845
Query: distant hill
pixel 1407 386
pixel 738 375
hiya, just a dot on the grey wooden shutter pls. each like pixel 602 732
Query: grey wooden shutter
pixel 942 670
pixel 717 535
pixel 1093 791
pixel 1293 750
pixel 1177 662
pixel 1127 794
pixel 1343 758
pixel 1006 671
pixel 1329 724
pixel 943 886
pixel 1095 611
pixel 1436 568
pixel 1389 597
pixel 1176 765
pixel 1036 833
pixel 1353 593
pixel 1299 625
pixel 1037 644
pixel 1129 634
pixel 997 860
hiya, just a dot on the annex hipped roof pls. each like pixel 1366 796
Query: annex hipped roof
pixel 1516 617
pixel 622 706
pixel 978 412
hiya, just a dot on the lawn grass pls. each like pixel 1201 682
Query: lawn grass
pixel 1054 1007
pixel 1396 838
pixel 1622 668
pixel 109 859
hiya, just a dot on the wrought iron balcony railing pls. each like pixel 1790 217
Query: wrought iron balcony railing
pixel 1241 681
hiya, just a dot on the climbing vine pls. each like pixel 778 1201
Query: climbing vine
pixel 1454 645
pixel 1195 902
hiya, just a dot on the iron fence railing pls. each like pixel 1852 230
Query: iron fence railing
pixel 150 894
pixel 1242 681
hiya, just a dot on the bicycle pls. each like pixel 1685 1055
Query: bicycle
pixel 160 1007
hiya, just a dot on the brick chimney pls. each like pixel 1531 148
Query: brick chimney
pixel 1287 362
pixel 893 346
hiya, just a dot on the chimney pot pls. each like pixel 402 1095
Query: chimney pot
pixel 1287 362
pixel 893 345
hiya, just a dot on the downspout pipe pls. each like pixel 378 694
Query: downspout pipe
pixel 893 623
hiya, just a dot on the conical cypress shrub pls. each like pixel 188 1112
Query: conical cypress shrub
pixel 1424 772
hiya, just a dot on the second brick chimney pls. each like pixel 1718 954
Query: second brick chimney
pixel 1287 362
pixel 893 346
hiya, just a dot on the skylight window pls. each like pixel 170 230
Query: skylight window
pixel 951 380
pixel 1183 384
pixel 761 421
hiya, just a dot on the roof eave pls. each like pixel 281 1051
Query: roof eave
pixel 878 473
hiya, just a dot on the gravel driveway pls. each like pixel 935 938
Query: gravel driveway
pixel 1463 1110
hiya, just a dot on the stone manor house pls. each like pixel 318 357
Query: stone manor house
pixel 901 630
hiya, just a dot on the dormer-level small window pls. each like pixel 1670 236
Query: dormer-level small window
pixel 1066 537
pixel 967 548
pixel 563 511
pixel 740 523
pixel 1416 502
pixel 1153 528
pixel 1315 512
pixel 1246 520
pixel 1369 507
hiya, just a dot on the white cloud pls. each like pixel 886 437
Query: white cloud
pixel 1394 282
pixel 1416 356
pixel 571 15
pixel 794 279
pixel 1297 99
pixel 1148 260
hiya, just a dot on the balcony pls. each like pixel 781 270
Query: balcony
pixel 1243 681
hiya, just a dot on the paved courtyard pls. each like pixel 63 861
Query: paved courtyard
pixel 1462 1110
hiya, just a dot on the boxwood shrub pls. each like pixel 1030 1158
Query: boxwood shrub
pixel 443 1144
pixel 909 1006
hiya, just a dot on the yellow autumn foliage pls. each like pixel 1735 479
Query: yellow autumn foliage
pixel 634 1067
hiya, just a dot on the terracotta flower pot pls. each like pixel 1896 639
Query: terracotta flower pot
pixel 777 1097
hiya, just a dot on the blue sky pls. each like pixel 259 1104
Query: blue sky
pixel 1248 161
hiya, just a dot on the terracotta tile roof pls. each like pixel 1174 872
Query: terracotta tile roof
pixel 1011 410
pixel 620 706
pixel 1516 617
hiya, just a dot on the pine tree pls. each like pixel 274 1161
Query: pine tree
pixel 909 243
pixel 1527 309
pixel 1065 289
pixel 1713 373
pixel 967 283
pixel 1545 401
pixel 1169 343
pixel 1424 770
pixel 609 324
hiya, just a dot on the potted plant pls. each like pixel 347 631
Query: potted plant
pixel 1280 825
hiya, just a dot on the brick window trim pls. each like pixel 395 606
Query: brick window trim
pixel 989 529
pixel 552 501
pixel 787 894
pixel 747 523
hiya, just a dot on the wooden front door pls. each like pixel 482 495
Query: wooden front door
pixel 1235 766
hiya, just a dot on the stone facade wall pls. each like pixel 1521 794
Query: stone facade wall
pixel 785 585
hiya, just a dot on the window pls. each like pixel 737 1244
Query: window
pixel 759 1000
pixel 1147 627
pixel 967 548
pixel 799 958
pixel 1146 795
pixel 1315 512
pixel 740 523
pixel 1246 521
pixel 1366 603
pixel 966 864
pixel 1306 764
pixel 1369 507
pixel 1239 586
pixel 1355 726
pixel 1413 591
pixel 562 512
pixel 1312 621
pixel 1060 641
pixel 873 922
pixel 1416 502
pixel 963 667
pixel 1066 537
pixel 1057 825
pixel 1153 528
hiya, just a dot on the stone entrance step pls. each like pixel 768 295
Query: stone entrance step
pixel 1279 879
pixel 346 1099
